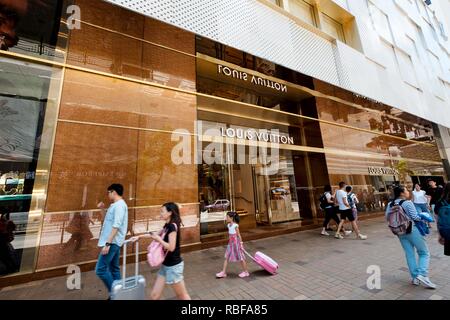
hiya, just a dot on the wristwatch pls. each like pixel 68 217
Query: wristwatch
pixel 108 244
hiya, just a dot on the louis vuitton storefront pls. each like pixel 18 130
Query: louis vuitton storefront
pixel 327 135
pixel 174 117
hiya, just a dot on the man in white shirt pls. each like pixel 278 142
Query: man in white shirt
pixel 112 236
pixel 346 212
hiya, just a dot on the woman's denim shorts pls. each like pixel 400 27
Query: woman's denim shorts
pixel 173 274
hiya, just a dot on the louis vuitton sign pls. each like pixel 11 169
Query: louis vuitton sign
pixel 255 80
pixel 382 171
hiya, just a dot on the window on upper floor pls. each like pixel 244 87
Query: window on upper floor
pixel 332 27
pixel 423 10
pixel 411 46
pixel 380 22
pixel 440 92
pixel 435 63
pixel 430 32
pixel 389 59
pixel 442 30
pixel 275 2
pixel 303 10
pixel 406 68
pixel 329 17
pixel 420 37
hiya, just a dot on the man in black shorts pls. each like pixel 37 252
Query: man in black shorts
pixel 346 213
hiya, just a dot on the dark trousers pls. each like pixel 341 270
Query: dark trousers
pixel 330 214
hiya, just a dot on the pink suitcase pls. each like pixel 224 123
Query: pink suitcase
pixel 264 261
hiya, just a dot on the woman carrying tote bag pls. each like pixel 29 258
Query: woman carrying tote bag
pixel 167 244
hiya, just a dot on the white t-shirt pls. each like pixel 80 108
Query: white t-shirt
pixel 340 194
pixel 328 196
pixel 232 228
pixel 419 196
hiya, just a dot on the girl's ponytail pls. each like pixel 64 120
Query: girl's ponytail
pixel 234 215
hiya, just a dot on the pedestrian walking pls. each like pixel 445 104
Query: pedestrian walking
pixel 235 250
pixel 172 268
pixel 442 214
pixel 346 213
pixel 327 205
pixel 112 236
pixel 352 201
pixel 400 214
pixel 420 199
pixel 434 193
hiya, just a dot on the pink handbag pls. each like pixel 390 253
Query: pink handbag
pixel 156 254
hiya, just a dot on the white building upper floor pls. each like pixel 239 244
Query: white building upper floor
pixel 393 51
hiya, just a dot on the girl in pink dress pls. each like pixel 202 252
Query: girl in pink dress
pixel 235 249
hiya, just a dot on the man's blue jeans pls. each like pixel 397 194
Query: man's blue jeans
pixel 411 243
pixel 108 266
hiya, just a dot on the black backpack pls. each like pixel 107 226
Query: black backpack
pixel 323 201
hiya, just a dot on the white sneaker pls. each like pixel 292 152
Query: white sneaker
pixel 362 237
pixel 347 233
pixel 338 236
pixel 324 233
pixel 426 282
pixel 415 282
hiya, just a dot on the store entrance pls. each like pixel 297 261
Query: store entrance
pixel 243 194
pixel 276 197
pixel 261 194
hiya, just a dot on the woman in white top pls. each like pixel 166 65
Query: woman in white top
pixel 420 199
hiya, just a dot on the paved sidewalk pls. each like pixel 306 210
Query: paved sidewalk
pixel 311 267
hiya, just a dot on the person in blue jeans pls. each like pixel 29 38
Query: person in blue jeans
pixel 414 241
pixel 420 199
pixel 112 236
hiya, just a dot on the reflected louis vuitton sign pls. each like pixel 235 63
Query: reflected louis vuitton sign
pixel 255 80
pixel 380 171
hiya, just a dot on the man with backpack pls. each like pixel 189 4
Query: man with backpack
pixel 346 212
pixel 327 205
pixel 401 215
pixel 352 201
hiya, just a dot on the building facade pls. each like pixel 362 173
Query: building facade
pixel 251 106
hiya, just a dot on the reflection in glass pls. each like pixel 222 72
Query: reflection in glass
pixel 23 102
pixel 32 27
pixel 214 197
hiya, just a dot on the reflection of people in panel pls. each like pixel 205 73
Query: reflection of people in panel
pixel 10 13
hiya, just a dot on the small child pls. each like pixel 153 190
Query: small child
pixel 235 249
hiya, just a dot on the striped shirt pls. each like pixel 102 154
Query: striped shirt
pixel 408 207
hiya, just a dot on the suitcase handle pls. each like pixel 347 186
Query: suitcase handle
pixel 248 254
pixel 124 272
